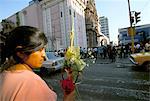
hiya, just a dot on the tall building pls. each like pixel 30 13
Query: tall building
pixel 91 21
pixel 104 26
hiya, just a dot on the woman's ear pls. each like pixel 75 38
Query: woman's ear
pixel 21 55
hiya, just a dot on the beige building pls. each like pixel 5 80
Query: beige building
pixel 92 25
pixel 95 37
pixel 59 17
pixel 56 19
pixel 30 16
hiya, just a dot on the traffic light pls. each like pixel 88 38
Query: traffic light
pixel 132 19
pixel 137 17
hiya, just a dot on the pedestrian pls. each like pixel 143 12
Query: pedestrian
pixel 114 53
pixel 85 53
pixel 25 50
pixel 147 46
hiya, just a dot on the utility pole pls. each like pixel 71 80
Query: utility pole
pixel 131 29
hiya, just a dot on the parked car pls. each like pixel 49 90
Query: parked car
pixel 141 60
pixel 52 63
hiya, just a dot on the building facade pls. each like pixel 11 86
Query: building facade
pixel 60 17
pixel 56 18
pixel 91 21
pixel 142 34
pixel 104 26
pixel 29 16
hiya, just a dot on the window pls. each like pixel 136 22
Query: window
pixel 61 14
pixel 25 12
pixel 70 11
pixel 74 14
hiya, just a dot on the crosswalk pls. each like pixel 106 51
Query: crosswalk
pixel 106 82
pixel 115 88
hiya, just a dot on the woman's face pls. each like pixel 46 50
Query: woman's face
pixel 36 58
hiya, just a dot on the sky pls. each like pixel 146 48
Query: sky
pixel 115 10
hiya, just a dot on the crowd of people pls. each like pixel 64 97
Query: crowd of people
pixel 111 52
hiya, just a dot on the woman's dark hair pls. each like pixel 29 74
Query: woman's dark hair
pixel 24 39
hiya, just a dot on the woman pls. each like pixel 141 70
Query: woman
pixel 24 50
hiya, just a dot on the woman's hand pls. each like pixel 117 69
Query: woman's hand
pixel 70 96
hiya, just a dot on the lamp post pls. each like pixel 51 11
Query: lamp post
pixel 131 28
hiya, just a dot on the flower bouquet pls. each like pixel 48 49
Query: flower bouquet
pixel 73 63
pixel 73 66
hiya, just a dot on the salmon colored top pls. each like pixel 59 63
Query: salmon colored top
pixel 24 85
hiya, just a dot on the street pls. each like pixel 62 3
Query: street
pixel 106 81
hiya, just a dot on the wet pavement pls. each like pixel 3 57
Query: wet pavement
pixel 108 81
